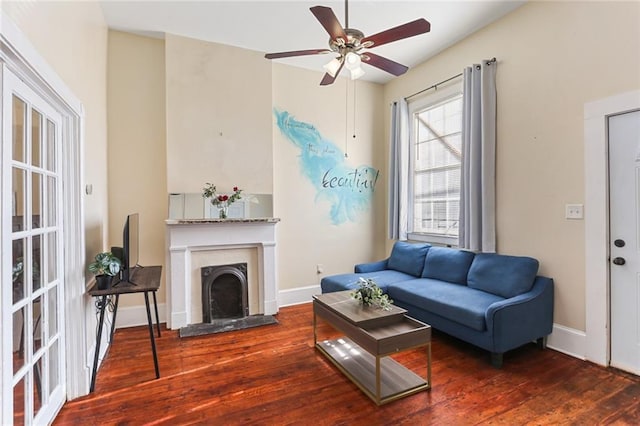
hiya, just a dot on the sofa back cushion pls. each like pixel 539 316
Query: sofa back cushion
pixel 447 264
pixel 503 275
pixel 408 258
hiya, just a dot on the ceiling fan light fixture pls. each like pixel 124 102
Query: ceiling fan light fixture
pixel 352 61
pixel 332 67
pixel 356 73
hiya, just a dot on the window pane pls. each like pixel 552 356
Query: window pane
pixel 38 368
pixel 19 402
pixel 52 202
pixel 52 258
pixel 54 364
pixel 36 197
pixel 36 138
pixel 19 120
pixel 19 335
pixel 18 183
pixel 437 158
pixel 51 146
pixel 17 273
pixel 38 330
pixel 36 262
pixel 52 312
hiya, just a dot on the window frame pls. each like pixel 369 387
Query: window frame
pixel 437 96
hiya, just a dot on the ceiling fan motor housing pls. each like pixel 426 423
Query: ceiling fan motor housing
pixel 352 44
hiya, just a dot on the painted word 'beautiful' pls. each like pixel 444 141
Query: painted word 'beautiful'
pixel 359 179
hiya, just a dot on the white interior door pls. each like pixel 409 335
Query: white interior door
pixel 624 193
pixel 33 341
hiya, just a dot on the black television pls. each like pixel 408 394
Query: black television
pixel 129 252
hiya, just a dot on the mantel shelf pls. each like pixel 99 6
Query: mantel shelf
pixel 222 221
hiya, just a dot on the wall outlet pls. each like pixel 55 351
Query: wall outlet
pixel 319 268
pixel 574 211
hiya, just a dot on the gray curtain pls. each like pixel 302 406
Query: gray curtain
pixel 398 170
pixel 477 230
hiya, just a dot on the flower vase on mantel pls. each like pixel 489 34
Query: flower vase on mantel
pixel 223 213
pixel 221 201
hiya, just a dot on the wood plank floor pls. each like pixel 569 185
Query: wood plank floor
pixel 272 375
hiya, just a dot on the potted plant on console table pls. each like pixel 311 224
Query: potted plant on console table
pixel 105 267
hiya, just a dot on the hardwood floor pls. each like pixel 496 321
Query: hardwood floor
pixel 272 375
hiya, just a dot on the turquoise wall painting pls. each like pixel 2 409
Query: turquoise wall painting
pixel 348 189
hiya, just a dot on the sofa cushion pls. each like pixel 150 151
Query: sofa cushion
pixel 408 258
pixel 461 304
pixel 350 281
pixel 506 276
pixel 447 264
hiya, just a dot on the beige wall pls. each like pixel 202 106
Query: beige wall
pixel 72 38
pixel 306 235
pixel 553 57
pixel 218 117
pixel 137 145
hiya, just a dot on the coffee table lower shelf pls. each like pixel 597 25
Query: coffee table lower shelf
pixel 370 373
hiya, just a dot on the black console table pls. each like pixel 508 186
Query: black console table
pixel 143 280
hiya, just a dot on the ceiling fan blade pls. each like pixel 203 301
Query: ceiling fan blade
pixel 410 29
pixel 296 53
pixel 327 79
pixel 384 64
pixel 329 21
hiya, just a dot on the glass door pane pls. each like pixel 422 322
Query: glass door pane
pixel 33 309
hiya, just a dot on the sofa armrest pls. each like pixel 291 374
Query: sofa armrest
pixel 523 318
pixel 380 265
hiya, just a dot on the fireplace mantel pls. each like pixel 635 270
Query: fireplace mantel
pixel 187 236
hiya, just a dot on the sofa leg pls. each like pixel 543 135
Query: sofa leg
pixel 542 343
pixel 496 359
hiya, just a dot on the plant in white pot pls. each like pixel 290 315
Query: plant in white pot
pixel 105 267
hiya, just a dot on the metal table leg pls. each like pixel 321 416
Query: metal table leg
pixel 103 307
pixel 155 304
pixel 153 340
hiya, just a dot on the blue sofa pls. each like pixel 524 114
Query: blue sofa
pixel 493 301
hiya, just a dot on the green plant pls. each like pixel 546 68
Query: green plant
pixel 105 264
pixel 369 294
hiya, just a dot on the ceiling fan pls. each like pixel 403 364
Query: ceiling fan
pixel 349 44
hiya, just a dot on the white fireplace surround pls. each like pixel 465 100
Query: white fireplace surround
pixel 188 236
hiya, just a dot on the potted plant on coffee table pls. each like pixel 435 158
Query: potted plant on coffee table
pixel 105 267
pixel 369 294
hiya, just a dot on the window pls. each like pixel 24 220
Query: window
pixel 435 161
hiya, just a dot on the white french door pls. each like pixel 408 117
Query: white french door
pixel 624 202
pixel 32 298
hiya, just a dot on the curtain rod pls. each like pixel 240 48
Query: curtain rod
pixel 435 86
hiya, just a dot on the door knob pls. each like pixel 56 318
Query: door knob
pixel 619 243
pixel 619 261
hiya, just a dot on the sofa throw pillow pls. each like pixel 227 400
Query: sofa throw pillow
pixel 407 257
pixel 447 264
pixel 503 275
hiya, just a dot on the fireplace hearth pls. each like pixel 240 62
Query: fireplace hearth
pixel 225 305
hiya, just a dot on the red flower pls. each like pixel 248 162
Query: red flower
pixel 235 189
pixel 221 197
pixel 225 197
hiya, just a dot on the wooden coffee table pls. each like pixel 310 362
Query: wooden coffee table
pixel 370 336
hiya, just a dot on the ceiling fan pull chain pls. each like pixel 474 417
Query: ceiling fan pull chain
pixel 354 108
pixel 346 118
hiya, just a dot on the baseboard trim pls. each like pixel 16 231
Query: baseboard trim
pixel 569 341
pixel 563 339
pixel 297 296
pixel 133 316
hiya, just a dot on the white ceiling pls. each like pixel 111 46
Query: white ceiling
pixel 276 26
